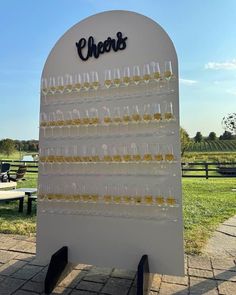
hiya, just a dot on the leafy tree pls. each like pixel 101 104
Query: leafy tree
pixel 212 136
pixel 7 146
pixel 185 140
pixel 198 137
pixel 226 135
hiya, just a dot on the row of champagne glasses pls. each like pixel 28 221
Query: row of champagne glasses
pixel 93 116
pixel 110 194
pixel 112 78
pixel 128 152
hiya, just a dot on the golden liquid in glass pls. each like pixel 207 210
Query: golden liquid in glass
pixel 78 159
pixel 126 118
pixel 107 159
pixel 107 83
pixel 127 199
pixel 85 159
pixel 42 159
pixel 117 158
pixel 127 158
pixel 126 80
pixel 77 198
pixel 107 120
pixel 117 82
pixel 160 200
pixel 60 123
pixel 168 116
pixel 77 121
pixel 136 117
pixel 169 157
pixel 158 157
pixel 157 116
pixel 86 85
pixel 137 158
pixel 44 90
pixel 95 85
pixel 107 198
pixel 117 199
pixel 86 121
pixel 167 74
pixel 136 79
pixel 43 124
pixel 147 117
pixel 148 199
pixel 171 201
pixel 117 120
pixel 94 198
pixel 138 200
pixel 53 89
pixel 95 159
pixel 147 157
pixel 156 76
pixel 94 121
pixel 146 78
pixel 85 197
pixel 78 86
pixel 60 88
pixel 69 87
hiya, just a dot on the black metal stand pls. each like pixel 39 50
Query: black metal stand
pixel 143 276
pixel 57 264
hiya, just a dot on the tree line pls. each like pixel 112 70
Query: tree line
pixel 8 146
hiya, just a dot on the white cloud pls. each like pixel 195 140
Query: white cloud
pixel 227 65
pixel 231 91
pixel 187 81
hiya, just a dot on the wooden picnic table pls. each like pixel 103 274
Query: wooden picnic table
pixel 8 196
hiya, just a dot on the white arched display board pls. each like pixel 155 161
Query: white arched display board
pixel 109 174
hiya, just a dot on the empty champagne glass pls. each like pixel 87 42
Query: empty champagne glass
pixel 136 75
pixel 95 81
pixel 69 83
pixel 86 81
pixel 126 76
pixel 108 80
pixel 78 82
pixel 116 77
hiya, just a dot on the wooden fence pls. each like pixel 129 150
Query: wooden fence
pixel 197 170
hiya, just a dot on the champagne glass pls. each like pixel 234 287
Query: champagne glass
pixel 107 115
pixel 135 152
pixel 156 73
pixel 94 155
pixel 147 117
pixel 168 74
pixel 168 115
pixel 137 195
pixel 69 83
pixel 157 112
pixel 117 117
pixel 126 76
pixel 60 84
pixel 95 81
pixel 147 156
pixel 115 154
pixel 148 198
pixel 135 114
pixel 86 119
pixel 107 195
pixel 85 157
pixel 159 198
pixel 107 81
pixel 52 85
pixel 94 119
pixel 86 81
pixel 169 155
pixel 136 75
pixel 158 156
pixel 146 73
pixel 44 86
pixel 116 194
pixel 106 156
pixel 78 82
pixel 126 155
pixel 116 77
pixel 76 117
pixel 170 200
pixel 85 195
pixel 126 194
pixel 126 114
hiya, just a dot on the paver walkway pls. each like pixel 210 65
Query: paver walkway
pixel 21 274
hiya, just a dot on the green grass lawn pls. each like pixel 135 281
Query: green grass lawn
pixel 206 204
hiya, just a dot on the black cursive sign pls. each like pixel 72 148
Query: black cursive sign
pixel 88 48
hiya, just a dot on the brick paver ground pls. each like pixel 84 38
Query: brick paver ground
pixel 22 274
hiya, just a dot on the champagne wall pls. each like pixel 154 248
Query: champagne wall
pixel 109 175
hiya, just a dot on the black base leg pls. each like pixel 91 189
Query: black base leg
pixel 21 204
pixel 143 276
pixel 57 264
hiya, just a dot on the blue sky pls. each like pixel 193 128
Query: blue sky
pixel 203 32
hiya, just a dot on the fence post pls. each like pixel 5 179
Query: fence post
pixel 206 168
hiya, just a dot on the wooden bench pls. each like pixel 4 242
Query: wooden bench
pixel 8 196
